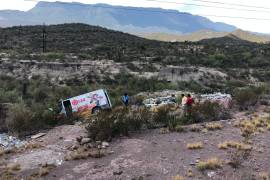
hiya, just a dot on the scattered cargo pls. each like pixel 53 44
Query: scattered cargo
pixel 8 142
pixel 155 103
pixel 223 99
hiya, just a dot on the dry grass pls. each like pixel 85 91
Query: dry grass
pixel 179 129
pixel 234 144
pixel 247 128
pixel 263 176
pixel 214 126
pixel 84 153
pixel 19 150
pixel 7 175
pixel 8 151
pixel 178 177
pixel 32 146
pixel 9 171
pixel 197 145
pixel 164 130
pixel 236 123
pixel 43 171
pixel 205 130
pixel 210 164
pixel 189 173
pixel 195 128
pixel 14 167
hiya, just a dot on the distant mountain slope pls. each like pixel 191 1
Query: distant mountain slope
pixel 204 34
pixel 127 19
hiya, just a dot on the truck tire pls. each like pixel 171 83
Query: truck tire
pixel 96 110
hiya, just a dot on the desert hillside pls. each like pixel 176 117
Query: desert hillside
pixel 220 131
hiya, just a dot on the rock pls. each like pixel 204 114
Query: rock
pixel 110 152
pixel 105 144
pixel 79 139
pixel 90 145
pixel 211 174
pixel 9 141
pixel 85 141
pixel 117 172
pixel 74 147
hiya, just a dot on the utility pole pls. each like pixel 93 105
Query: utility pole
pixel 44 35
pixel 20 40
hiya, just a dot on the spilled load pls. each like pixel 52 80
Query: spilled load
pixel 90 102
pixel 9 142
pixel 224 100
pixel 155 103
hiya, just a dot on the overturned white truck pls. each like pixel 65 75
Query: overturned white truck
pixel 93 101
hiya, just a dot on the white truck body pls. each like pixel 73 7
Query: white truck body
pixel 89 101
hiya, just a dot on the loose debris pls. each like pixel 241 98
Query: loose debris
pixel 39 135
pixel 84 152
pixel 85 148
pixel 8 142
pixel 223 99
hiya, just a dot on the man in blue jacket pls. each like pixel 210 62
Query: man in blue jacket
pixel 125 99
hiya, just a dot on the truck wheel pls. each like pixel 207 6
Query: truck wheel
pixel 96 110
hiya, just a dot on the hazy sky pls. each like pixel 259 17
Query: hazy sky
pixel 251 25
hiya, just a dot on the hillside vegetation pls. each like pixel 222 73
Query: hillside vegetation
pixel 99 43
pixel 78 58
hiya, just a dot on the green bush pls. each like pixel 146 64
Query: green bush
pixel 23 120
pixel 246 97
pixel 207 111
pixel 19 119
pixel 118 121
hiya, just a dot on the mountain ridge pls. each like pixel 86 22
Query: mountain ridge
pixel 126 19
pixel 205 34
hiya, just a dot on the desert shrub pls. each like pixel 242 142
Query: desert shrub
pixel 197 145
pixel 246 97
pixel 118 121
pixel 40 94
pixel 23 120
pixel 162 115
pixel 19 119
pixel 207 111
pixel 237 158
pixel 53 56
pixel 210 164
pixel 214 126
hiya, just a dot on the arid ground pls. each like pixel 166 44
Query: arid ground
pixel 151 154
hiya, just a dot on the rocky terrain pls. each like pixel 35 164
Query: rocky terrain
pixel 150 154
pixel 212 142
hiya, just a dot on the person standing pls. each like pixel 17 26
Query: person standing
pixel 125 99
pixel 189 104
pixel 183 101
pixel 184 104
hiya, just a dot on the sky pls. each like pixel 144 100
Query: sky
pixel 262 26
